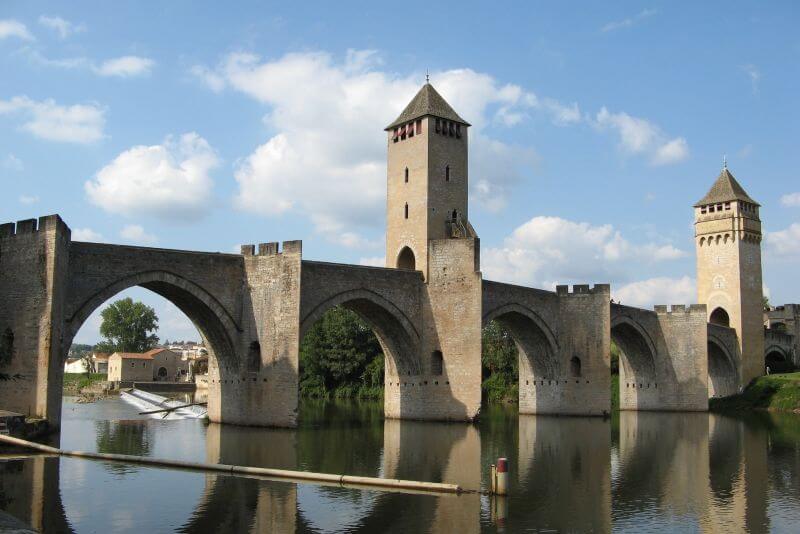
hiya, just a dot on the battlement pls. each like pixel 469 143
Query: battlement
pixel 32 226
pixel 663 309
pixel 271 248
pixel 584 289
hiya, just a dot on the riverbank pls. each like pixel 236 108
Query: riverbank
pixel 778 392
pixel 85 385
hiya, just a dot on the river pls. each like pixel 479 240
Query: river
pixel 637 472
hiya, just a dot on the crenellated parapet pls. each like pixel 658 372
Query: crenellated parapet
pixel 272 249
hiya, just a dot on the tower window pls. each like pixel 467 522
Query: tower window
pixel 410 128
pixel 727 206
pixel 438 125
pixel 451 129
pixel 703 209
pixel 406 174
pixel 419 127
pixel 447 173
pixel 406 210
pixel 458 131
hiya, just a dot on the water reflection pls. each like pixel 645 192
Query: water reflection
pixel 640 472
pixel 565 473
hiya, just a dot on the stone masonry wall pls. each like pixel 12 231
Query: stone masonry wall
pixel 685 334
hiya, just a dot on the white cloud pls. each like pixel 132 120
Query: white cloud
pixel 64 28
pixel 86 234
pixel 549 250
pixel 214 81
pixel 784 243
pixel 79 123
pixel 662 290
pixel 791 199
pixel 125 67
pixel 13 163
pixel 754 74
pixel 169 181
pixel 629 21
pixel 28 199
pixel 134 233
pixel 327 156
pixel 14 28
pixel 640 136
pixel 373 261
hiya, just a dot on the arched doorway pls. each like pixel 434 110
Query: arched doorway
pixel 406 259
pixel 722 377
pixel 720 317
pixel 638 386
pixel 162 373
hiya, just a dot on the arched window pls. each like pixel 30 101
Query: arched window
pixel 406 174
pixel 406 259
pixel 406 211
pixel 575 366
pixel 254 357
pixel 437 362
pixel 720 316
pixel 454 216
pixel 447 173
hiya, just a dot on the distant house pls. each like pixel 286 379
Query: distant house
pixel 168 366
pixel 127 366
pixel 100 362
pixel 75 365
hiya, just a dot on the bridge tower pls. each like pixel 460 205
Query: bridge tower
pixel 728 244
pixel 427 180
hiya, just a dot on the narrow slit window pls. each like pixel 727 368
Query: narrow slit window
pixel 406 211
pixel 447 173
pixel 406 177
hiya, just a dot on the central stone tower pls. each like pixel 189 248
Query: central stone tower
pixel 728 241
pixel 427 180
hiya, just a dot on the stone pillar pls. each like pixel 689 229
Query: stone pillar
pixel 684 354
pixel 34 257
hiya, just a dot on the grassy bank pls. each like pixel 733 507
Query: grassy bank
pixel 74 383
pixel 779 392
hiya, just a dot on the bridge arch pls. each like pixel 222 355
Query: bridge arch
pixel 212 320
pixel 637 366
pixel 396 333
pixel 777 359
pixel 722 372
pixel 537 346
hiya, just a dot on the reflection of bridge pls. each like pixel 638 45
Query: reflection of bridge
pixel 427 308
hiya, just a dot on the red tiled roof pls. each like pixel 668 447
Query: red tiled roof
pixel 134 355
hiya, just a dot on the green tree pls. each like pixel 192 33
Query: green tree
pixel 128 326
pixel 340 356
pixel 500 361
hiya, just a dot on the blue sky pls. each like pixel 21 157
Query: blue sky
pixel 596 127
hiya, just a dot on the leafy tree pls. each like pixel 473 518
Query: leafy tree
pixel 340 356
pixel 500 363
pixel 765 303
pixel 128 326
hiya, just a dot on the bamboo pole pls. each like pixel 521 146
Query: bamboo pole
pixel 384 484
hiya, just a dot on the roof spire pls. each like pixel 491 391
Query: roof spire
pixel 427 76
pixel 724 162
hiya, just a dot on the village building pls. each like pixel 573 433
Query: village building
pixel 100 362
pixel 128 366
pixel 74 365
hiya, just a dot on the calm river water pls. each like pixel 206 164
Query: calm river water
pixel 645 472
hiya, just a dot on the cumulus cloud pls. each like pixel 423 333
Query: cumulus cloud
pixel 135 234
pixel 170 181
pixel 79 123
pixel 13 163
pixel 546 251
pixel 640 136
pixel 125 67
pixel 628 21
pixel 327 155
pixel 63 28
pixel 373 261
pixel 661 290
pixel 791 200
pixel 28 199
pixel 86 234
pixel 784 243
pixel 14 28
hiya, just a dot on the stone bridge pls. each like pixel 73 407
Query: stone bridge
pixel 252 309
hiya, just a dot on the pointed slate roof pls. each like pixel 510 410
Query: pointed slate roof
pixel 725 189
pixel 427 102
